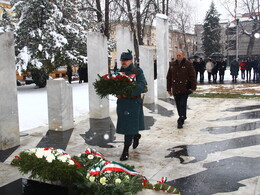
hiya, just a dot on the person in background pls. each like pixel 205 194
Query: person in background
pixel 130 115
pixel 209 67
pixel 196 66
pixel 214 70
pixel 69 73
pixel 255 69
pixel 234 69
pixel 242 66
pixel 201 65
pixel 249 65
pixel 115 67
pixel 181 81
pixel 222 64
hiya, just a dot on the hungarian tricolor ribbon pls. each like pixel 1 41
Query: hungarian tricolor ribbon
pixel 94 152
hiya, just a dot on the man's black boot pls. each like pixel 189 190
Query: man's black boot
pixel 180 123
pixel 136 140
pixel 125 154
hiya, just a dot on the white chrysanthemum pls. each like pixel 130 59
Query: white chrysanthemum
pixel 87 176
pixel 71 162
pixel 90 156
pixel 127 177
pixel 50 158
pixel 47 153
pixel 118 181
pixel 39 153
pixel 62 158
pixel 79 155
pixel 92 178
pixel 103 180
pixel 60 151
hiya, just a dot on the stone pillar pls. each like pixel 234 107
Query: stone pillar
pixel 124 41
pixel 162 37
pixel 97 64
pixel 9 122
pixel 60 105
pixel 146 62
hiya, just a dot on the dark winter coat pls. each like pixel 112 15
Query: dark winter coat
pixel 201 66
pixel 130 109
pixel 181 77
pixel 234 68
pixel 222 65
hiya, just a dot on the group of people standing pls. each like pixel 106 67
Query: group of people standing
pixel 246 66
pixel 217 67
pixel 213 67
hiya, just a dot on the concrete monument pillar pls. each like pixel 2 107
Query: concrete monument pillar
pixel 146 62
pixel 60 105
pixel 97 64
pixel 9 122
pixel 124 41
pixel 162 50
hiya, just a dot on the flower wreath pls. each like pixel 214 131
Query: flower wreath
pixel 87 173
pixel 117 83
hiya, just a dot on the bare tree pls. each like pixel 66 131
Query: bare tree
pixel 252 10
pixel 179 16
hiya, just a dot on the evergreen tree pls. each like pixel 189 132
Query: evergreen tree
pixel 211 34
pixel 48 35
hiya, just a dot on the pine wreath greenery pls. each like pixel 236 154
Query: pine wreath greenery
pixel 115 84
pixel 88 173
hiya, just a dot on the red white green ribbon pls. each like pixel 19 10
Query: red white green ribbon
pixel 94 152
pixel 108 166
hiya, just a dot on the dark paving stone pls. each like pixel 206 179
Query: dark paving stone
pixel 220 177
pixel 232 129
pixel 245 115
pixel 157 109
pixel 57 139
pixel 31 187
pixel 201 151
pixel 168 100
pixel 4 154
pixel 149 122
pixel 101 132
pixel 243 108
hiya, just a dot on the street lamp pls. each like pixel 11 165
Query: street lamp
pixel 257 35
pixel 237 20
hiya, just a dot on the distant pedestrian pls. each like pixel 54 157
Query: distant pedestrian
pixel 196 66
pixel 69 73
pixel 255 68
pixel 249 65
pixel 234 69
pixel 214 70
pixel 242 66
pixel 222 64
pixel 209 67
pixel 202 68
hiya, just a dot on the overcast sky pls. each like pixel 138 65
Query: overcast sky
pixel 202 6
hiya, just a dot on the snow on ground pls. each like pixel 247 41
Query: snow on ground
pixel 33 107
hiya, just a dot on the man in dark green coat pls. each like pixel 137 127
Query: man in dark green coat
pixel 130 109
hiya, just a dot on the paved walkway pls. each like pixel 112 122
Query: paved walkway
pixel 217 151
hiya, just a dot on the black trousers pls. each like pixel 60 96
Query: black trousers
pixel 181 104
pixel 128 140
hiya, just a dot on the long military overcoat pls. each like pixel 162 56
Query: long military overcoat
pixel 130 109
